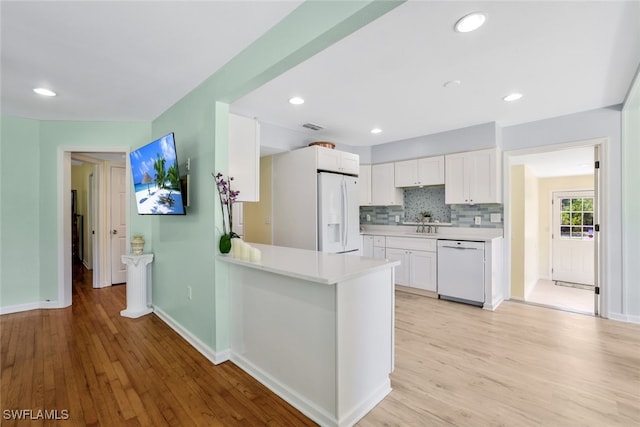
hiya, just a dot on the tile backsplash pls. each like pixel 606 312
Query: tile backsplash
pixel 418 200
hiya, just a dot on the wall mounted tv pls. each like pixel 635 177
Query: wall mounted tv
pixel 156 178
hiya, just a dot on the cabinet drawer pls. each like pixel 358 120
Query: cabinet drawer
pixel 412 243
pixel 379 241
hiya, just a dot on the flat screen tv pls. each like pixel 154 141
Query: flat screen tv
pixel 156 178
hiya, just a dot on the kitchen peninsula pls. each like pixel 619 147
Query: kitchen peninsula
pixel 316 328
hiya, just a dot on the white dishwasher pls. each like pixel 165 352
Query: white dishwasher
pixel 461 271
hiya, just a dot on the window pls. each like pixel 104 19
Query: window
pixel 576 220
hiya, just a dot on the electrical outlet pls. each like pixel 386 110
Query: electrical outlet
pixel 368 218
pixel 267 220
pixel 478 220
pixel 397 218
pixel 189 292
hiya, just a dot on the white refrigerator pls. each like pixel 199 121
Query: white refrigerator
pixel 338 213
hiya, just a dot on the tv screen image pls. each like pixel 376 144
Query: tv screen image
pixel 156 178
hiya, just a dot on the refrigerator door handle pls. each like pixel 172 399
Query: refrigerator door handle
pixel 345 213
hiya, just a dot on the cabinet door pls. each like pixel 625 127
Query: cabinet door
pixel 456 186
pixel 431 171
pixel 365 185
pixel 483 178
pixel 422 272
pixel 402 271
pixel 383 189
pixel 406 173
pixel 328 159
pixel 244 157
pixel 379 253
pixel 349 163
pixel 367 246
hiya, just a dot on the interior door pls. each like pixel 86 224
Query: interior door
pixel 573 237
pixel 118 224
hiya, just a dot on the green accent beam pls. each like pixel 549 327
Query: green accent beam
pixel 309 29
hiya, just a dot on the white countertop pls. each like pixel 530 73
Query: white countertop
pixel 449 233
pixel 309 265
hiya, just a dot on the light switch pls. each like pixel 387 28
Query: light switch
pixel 495 217
pixel 368 218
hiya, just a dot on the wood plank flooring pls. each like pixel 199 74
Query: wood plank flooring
pixel 456 365
pixel 107 370
pixel 522 365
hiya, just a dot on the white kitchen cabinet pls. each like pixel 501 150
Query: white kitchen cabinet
pixel 473 177
pixel 364 185
pixel 420 172
pixel 338 161
pixel 379 253
pixel 383 189
pixel 244 157
pixel 418 261
pixel 373 246
pixel 367 246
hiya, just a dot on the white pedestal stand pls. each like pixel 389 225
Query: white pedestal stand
pixel 137 301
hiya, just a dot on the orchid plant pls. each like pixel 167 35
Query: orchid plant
pixel 227 198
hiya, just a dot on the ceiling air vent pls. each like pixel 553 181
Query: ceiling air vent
pixel 312 126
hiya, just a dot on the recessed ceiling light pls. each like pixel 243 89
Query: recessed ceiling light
pixel 296 100
pixel 452 83
pixel 376 130
pixel 512 97
pixel 44 91
pixel 470 22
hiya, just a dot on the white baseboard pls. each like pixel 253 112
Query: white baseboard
pixel 30 306
pixel 628 318
pixel 312 411
pixel 215 357
pixel 494 304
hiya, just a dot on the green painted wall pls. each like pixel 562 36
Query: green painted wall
pixel 19 211
pixel 55 134
pixel 184 247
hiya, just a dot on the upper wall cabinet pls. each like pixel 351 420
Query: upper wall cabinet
pixel 338 161
pixel 473 177
pixel 383 189
pixel 244 157
pixel 364 185
pixel 420 172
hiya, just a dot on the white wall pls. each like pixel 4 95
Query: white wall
pixel 631 202
pixel 466 139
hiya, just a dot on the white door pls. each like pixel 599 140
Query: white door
pixel 118 224
pixel 573 237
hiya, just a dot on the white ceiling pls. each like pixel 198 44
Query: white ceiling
pixel 120 60
pixel 130 61
pixel 565 57
pixel 567 162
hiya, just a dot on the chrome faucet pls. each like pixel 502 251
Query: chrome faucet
pixel 426 228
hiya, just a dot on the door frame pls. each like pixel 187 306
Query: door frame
pixel 63 184
pixel 601 267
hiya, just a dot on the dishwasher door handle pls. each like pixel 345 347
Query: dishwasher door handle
pixel 460 248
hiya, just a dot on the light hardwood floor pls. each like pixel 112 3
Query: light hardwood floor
pixel 456 365
pixel 522 365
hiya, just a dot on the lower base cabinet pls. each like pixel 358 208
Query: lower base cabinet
pixel 418 267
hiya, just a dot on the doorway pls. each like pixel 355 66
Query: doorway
pixel 552 209
pixel 101 159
